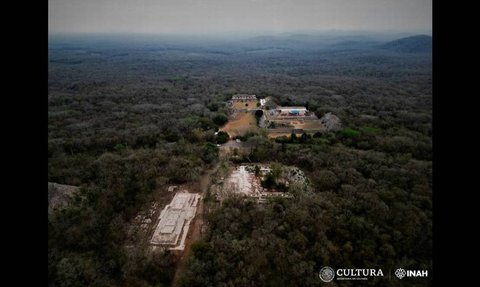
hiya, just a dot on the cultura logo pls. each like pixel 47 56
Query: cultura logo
pixel 400 273
pixel 326 274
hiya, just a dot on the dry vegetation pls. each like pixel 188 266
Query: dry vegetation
pixel 127 118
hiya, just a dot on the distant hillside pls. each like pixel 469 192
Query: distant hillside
pixel 354 45
pixel 413 44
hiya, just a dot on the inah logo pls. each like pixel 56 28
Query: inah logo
pixel 400 273
pixel 326 274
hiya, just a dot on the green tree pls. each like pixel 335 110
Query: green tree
pixel 119 147
pixel 222 137
pixel 209 153
pixel 293 137
pixel 269 181
pixel 304 137
pixel 220 119
pixel 258 113
pixel 277 170
pixel 257 170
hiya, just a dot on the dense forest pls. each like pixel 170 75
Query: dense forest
pixel 129 115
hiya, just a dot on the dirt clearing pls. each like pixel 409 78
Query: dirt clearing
pixel 245 104
pixel 240 124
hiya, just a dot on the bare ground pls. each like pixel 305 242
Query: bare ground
pixel 240 123
pixel 252 105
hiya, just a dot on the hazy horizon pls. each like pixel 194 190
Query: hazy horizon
pixel 246 18
pixel 254 33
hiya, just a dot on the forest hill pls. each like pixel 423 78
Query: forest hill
pixel 126 122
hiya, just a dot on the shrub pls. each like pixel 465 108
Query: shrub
pixel 222 137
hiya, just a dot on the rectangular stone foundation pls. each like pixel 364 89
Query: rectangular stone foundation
pixel 174 221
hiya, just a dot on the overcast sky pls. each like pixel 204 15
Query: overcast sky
pixel 217 16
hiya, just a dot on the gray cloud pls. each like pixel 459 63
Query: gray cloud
pixel 216 16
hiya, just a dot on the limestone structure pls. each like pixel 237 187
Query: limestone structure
pixel 174 221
